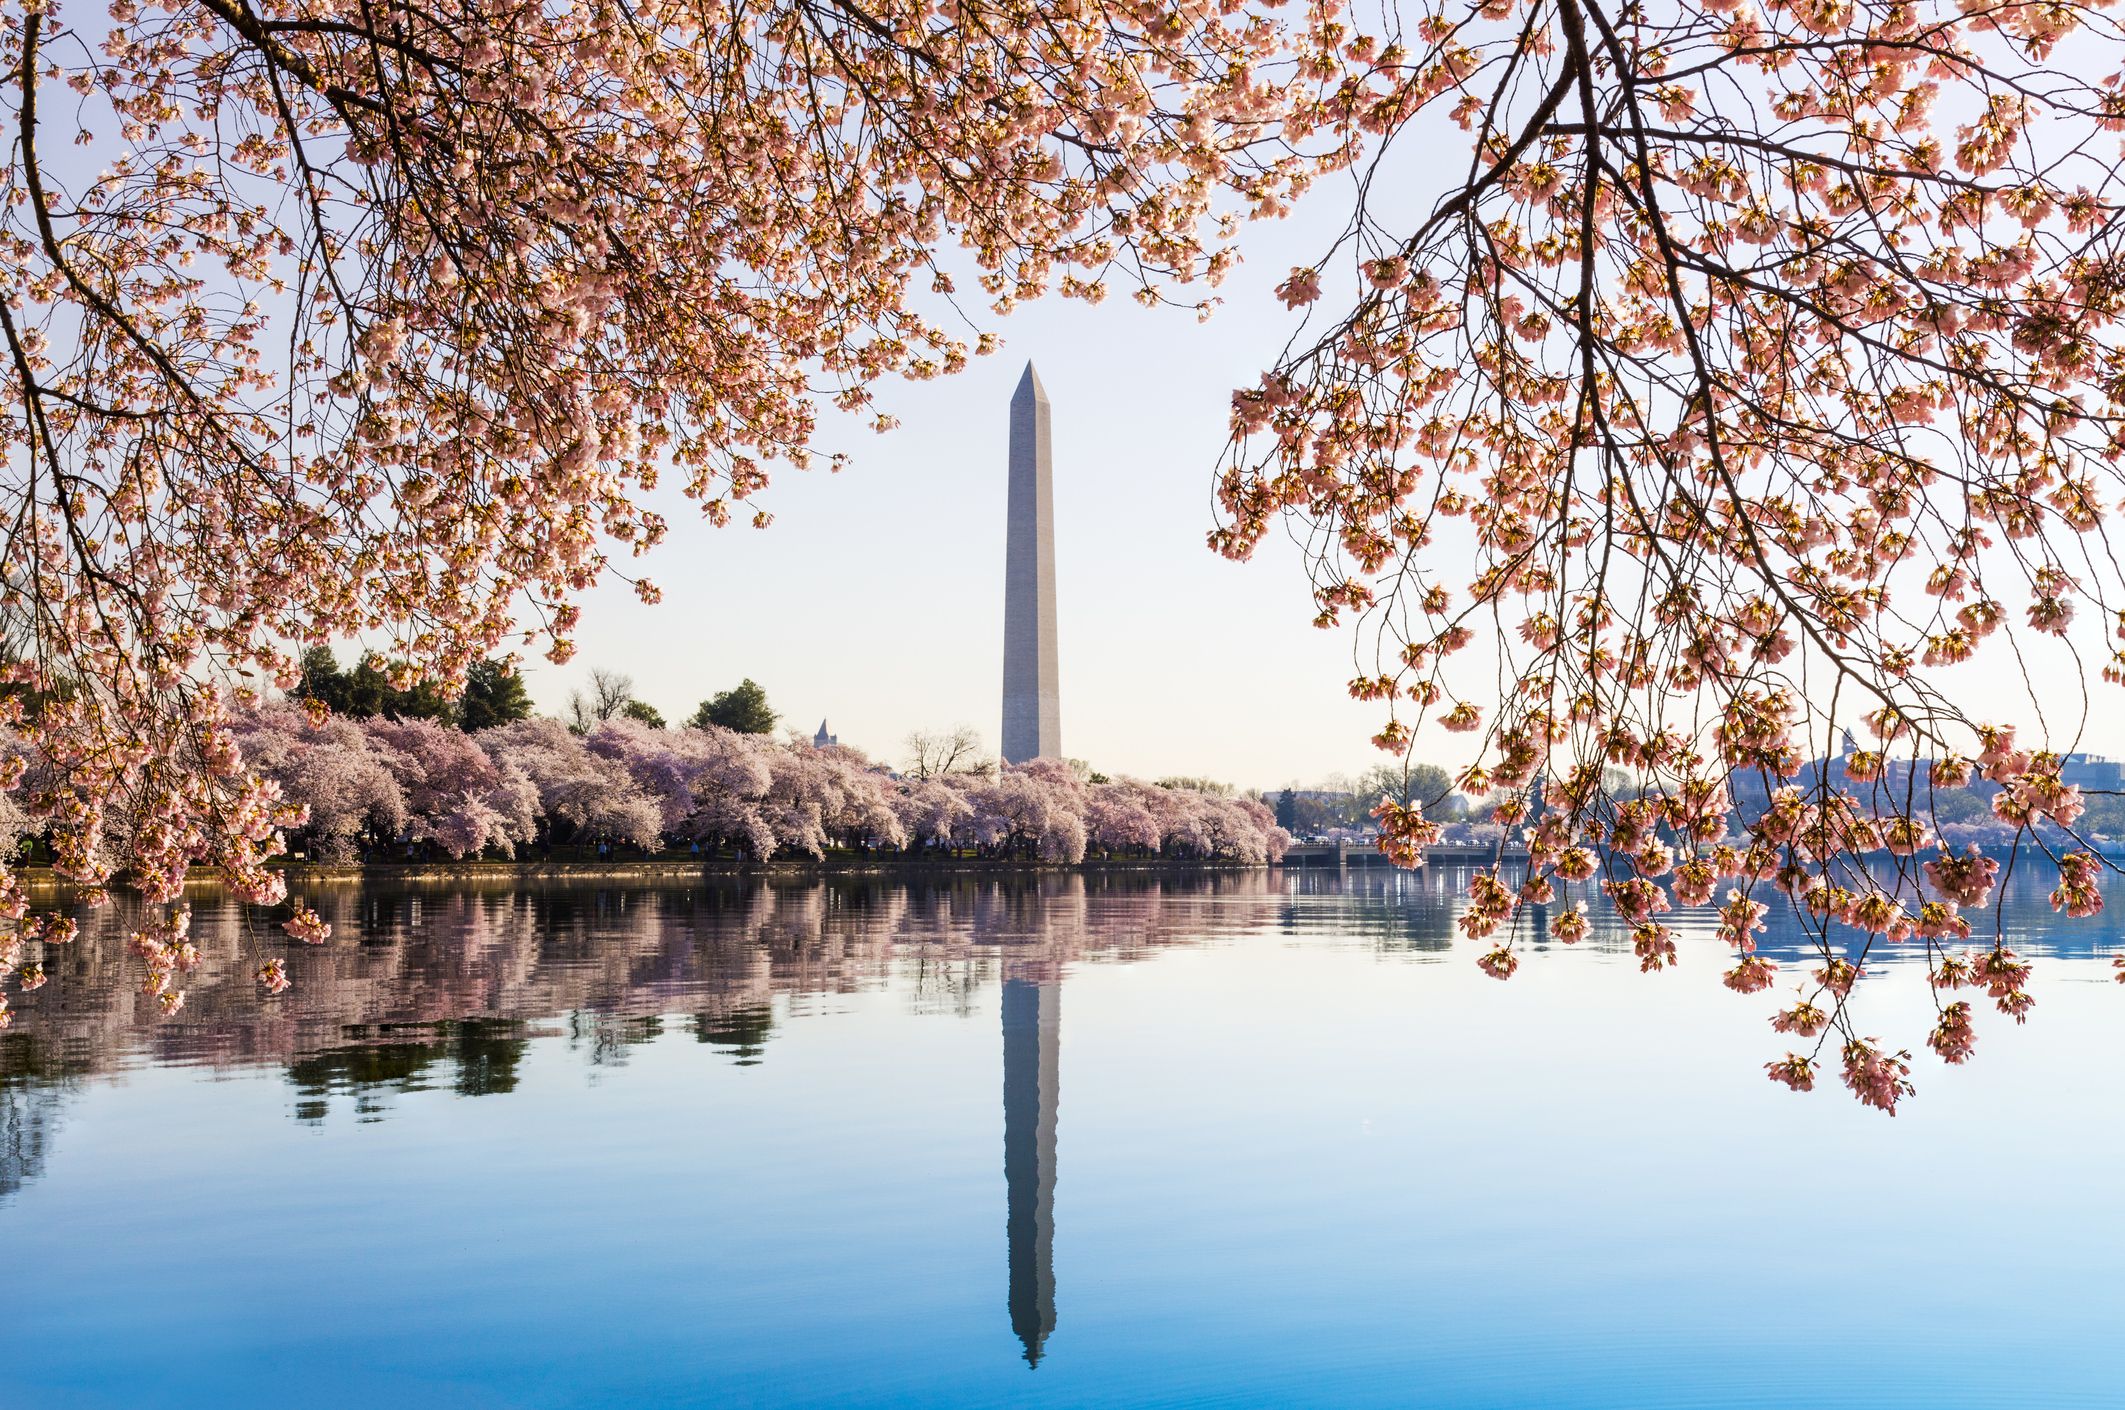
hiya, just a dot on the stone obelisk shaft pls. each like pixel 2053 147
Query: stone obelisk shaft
pixel 1032 721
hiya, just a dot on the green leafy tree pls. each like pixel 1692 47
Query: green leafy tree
pixel 494 695
pixel 2105 815
pixel 1287 810
pixel 642 710
pixel 1969 805
pixel 742 708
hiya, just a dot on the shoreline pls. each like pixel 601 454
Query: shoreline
pixel 1304 858
pixel 660 868
pixel 674 869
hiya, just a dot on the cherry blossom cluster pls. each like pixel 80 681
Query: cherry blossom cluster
pixel 1752 373
pixel 385 784
pixel 385 787
pixel 325 319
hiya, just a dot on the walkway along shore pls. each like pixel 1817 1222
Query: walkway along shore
pixel 42 880
pixel 861 864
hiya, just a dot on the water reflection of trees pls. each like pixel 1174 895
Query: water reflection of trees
pixel 2021 905
pixel 1414 912
pixel 444 986
pixel 37 1078
pixel 1394 911
pixel 28 1118
pixel 741 1034
pixel 474 1057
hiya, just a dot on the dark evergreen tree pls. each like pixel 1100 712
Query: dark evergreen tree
pixel 742 708
pixel 323 681
pixel 366 691
pixel 493 696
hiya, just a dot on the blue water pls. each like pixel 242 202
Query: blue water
pixel 1241 1140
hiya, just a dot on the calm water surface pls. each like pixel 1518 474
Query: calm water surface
pixel 1230 1140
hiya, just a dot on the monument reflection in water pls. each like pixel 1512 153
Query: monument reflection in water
pixel 734 1142
pixel 450 986
pixel 1031 1047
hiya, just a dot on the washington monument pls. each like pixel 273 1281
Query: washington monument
pixel 1032 721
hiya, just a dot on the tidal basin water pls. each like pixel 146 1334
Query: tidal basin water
pixel 1239 1139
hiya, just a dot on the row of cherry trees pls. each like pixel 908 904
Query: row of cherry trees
pixel 534 781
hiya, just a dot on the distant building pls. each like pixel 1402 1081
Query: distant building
pixel 822 739
pixel 2092 773
pixel 1903 779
